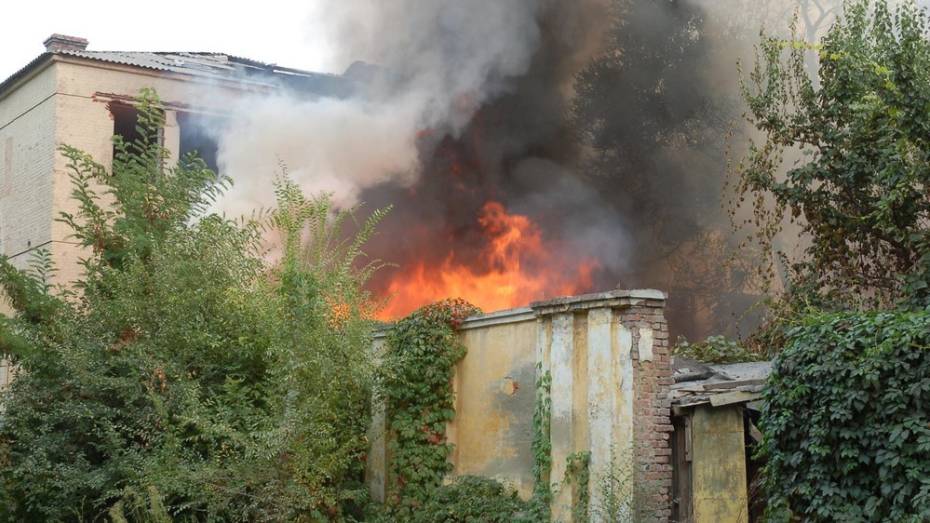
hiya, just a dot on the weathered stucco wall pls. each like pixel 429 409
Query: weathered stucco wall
pixel 719 465
pixel 495 389
pixel 608 359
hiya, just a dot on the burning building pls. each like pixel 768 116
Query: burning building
pixel 70 95
pixel 529 150
pixel 556 151
pixel 514 173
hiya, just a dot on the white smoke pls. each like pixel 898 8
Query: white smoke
pixel 440 61
pixel 326 145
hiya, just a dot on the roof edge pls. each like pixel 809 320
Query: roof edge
pixel 8 85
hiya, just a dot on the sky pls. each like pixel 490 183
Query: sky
pixel 274 31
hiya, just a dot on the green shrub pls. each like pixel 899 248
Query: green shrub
pixel 470 499
pixel 184 375
pixel 717 349
pixel 847 419
pixel 843 157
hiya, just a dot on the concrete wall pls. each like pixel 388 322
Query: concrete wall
pixel 495 390
pixel 608 359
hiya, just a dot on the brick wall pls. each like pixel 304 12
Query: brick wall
pixel 652 423
pixel 27 155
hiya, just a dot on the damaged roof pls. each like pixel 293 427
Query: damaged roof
pixel 699 383
pixel 218 66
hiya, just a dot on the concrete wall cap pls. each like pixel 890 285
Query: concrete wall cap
pixel 613 298
pixel 498 318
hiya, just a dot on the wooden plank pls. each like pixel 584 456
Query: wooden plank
pixel 694 376
pixel 719 466
pixel 729 398
pixel 755 432
pixel 681 471
pixel 732 384
pixel 688 388
pixel 690 401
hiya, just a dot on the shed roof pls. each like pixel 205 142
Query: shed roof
pixel 699 383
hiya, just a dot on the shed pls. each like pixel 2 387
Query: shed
pixel 714 409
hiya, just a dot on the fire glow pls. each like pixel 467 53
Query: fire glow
pixel 516 267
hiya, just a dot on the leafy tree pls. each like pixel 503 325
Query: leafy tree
pixel 861 138
pixel 185 376
pixel 656 120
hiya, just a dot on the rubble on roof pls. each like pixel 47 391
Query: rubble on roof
pixel 699 383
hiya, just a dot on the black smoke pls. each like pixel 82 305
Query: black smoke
pixel 616 147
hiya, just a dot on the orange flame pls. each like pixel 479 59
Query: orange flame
pixel 516 267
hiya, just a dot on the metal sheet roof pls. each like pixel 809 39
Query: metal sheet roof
pixel 209 65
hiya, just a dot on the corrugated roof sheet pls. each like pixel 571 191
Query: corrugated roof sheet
pixel 210 65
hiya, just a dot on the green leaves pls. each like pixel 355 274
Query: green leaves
pixel 717 349
pixel 471 499
pixel 847 418
pixel 186 377
pixel 415 380
pixel 859 191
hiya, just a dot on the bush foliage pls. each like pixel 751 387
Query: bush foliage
pixel 717 349
pixel 847 419
pixel 471 499
pixel 185 376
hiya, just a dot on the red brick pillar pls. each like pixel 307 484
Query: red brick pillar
pixel 652 427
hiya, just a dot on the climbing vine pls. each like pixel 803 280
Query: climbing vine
pixel 578 471
pixel 542 447
pixel 416 381
pixel 847 429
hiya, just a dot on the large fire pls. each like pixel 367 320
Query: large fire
pixel 516 266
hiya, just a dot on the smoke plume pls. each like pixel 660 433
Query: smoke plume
pixel 603 123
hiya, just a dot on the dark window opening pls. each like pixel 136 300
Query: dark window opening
pixel 197 137
pixel 125 123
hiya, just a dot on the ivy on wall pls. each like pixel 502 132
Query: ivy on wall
pixel 578 471
pixel 847 419
pixel 416 381
pixel 542 447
